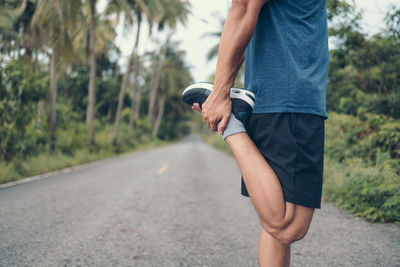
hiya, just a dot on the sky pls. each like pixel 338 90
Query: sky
pixel 203 20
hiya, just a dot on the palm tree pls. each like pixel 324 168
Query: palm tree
pixel 174 11
pixel 156 80
pixel 58 21
pixel 104 35
pixel 175 75
pixel 136 92
pixel 213 52
pixel 17 34
pixel 92 61
pixel 131 9
pixel 9 38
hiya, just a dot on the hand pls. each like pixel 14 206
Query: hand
pixel 217 108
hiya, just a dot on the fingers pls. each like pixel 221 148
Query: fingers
pixel 210 121
pixel 196 106
pixel 213 126
pixel 222 124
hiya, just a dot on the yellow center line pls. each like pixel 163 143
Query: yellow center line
pixel 162 169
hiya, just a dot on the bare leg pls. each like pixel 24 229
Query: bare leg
pixel 285 221
pixel 271 252
pixel 261 181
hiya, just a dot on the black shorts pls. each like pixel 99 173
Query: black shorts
pixel 293 144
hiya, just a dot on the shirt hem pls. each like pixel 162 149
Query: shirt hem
pixel 293 109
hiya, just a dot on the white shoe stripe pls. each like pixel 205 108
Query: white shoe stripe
pixel 244 90
pixel 242 95
pixel 208 86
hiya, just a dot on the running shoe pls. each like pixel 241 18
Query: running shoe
pixel 242 100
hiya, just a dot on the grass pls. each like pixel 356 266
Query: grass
pixel 47 162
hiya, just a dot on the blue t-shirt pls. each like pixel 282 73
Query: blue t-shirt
pixel 287 58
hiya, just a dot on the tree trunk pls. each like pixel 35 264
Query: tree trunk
pixel 134 94
pixel 138 97
pixel 134 88
pixel 156 81
pixel 159 116
pixel 121 95
pixel 92 61
pixel 125 85
pixel 109 113
pixel 53 99
pixel 116 78
pixel 136 102
pixel 153 91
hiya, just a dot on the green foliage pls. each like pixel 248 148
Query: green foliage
pixel 364 71
pixel 72 149
pixel 349 137
pixel 34 31
pixel 174 77
pixel 175 120
pixel 362 169
pixel 370 192
pixel 20 91
pixel 393 21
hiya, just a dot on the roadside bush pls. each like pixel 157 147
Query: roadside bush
pixel 72 149
pixel 348 136
pixel 369 192
pixel 20 91
pixel 362 170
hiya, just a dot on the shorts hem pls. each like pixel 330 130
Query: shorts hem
pixel 303 203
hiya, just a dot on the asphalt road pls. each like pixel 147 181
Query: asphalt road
pixel 178 205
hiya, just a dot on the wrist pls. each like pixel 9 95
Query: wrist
pixel 222 90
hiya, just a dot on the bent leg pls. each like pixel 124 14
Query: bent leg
pixel 285 221
pixel 261 181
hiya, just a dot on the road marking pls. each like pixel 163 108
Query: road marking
pixel 162 169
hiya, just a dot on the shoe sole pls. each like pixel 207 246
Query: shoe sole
pixel 238 93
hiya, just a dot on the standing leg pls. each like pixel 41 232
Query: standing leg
pixel 271 252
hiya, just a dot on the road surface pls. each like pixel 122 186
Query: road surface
pixel 179 205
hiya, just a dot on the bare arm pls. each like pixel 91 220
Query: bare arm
pixel 236 34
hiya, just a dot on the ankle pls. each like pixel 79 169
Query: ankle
pixel 234 137
pixel 233 127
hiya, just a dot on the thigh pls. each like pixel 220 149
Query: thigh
pixel 273 135
pixel 292 144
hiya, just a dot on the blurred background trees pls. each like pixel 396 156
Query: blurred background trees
pixel 63 91
pixel 362 172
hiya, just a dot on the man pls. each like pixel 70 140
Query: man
pixel 279 148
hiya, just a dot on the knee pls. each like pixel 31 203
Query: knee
pixel 287 236
pixel 290 238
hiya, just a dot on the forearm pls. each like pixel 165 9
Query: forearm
pixel 237 32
